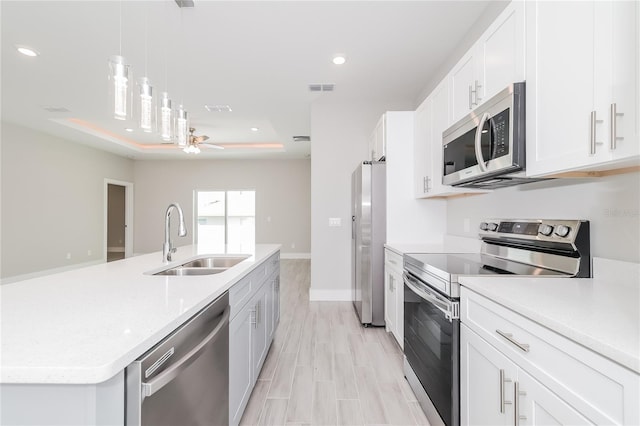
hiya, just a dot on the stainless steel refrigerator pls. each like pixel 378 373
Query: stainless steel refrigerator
pixel 368 235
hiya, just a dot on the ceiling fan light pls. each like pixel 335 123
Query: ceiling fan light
pixel 182 126
pixel 120 98
pixel 166 118
pixel 146 108
pixel 191 149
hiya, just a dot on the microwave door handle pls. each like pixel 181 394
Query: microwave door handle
pixel 478 144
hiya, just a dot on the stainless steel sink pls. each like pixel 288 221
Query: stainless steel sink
pixel 182 271
pixel 215 262
pixel 204 266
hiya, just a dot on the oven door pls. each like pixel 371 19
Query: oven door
pixel 432 345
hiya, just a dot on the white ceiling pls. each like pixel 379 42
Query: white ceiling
pixel 258 57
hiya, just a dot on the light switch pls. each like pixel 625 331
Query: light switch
pixel 335 221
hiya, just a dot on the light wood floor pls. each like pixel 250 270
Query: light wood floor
pixel 324 368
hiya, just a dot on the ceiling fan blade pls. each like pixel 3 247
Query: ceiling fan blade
pixel 201 138
pixel 212 145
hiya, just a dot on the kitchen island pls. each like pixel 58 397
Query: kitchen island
pixel 78 330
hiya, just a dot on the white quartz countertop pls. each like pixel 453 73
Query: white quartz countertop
pixel 602 314
pixel 86 325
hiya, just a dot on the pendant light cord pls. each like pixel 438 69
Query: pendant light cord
pixel 146 39
pixel 120 41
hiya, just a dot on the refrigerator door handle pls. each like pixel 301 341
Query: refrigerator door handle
pixel 353 227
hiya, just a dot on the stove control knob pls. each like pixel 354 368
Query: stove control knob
pixel 562 230
pixel 545 229
pixel 484 226
pixel 493 226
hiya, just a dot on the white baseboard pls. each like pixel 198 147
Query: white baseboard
pixel 39 274
pixel 116 249
pixel 330 295
pixel 295 255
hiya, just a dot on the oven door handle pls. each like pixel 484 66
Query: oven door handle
pixel 478 142
pixel 450 309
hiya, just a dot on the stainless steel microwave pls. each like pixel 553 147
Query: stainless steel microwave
pixel 487 147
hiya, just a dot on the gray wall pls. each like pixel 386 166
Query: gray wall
pixel 52 200
pixel 116 217
pixel 340 132
pixel 611 204
pixel 282 195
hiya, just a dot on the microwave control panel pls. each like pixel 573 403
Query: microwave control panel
pixel 500 133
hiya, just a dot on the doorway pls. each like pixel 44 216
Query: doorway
pixel 118 217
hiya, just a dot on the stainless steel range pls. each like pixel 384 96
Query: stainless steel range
pixel 542 248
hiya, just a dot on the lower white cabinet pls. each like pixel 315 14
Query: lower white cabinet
pixel 514 371
pixel 251 331
pixel 394 295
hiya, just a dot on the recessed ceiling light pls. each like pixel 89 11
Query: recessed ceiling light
pixel 218 108
pixel 254 129
pixel 129 130
pixel 339 59
pixel 27 51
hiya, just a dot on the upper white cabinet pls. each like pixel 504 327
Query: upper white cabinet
pixel 582 85
pixel 496 60
pixel 378 141
pixel 432 118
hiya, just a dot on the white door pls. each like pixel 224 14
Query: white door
pixel 240 368
pixel 461 81
pixel 560 87
pixel 486 382
pixel 538 406
pixel 503 51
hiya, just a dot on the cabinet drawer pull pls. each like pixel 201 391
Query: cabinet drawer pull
pixel 470 97
pixel 503 380
pixel 592 135
pixel 509 337
pixel 614 130
pixel 516 405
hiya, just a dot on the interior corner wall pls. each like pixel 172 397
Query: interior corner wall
pixel 282 198
pixel 340 133
pixel 52 200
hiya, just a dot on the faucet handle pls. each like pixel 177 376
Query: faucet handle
pixel 173 250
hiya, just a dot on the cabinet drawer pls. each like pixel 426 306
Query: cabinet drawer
pixel 602 390
pixel 393 259
pixel 239 295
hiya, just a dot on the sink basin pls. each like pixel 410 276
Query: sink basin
pixel 204 266
pixel 215 262
pixel 182 271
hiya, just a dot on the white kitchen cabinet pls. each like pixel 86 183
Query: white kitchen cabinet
pixel 378 142
pixel 573 80
pixel 496 60
pixel 394 295
pixel 255 312
pixel 553 378
pixel 432 118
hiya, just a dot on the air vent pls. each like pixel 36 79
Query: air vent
pixel 322 87
pixel 301 139
pixel 218 108
pixel 55 109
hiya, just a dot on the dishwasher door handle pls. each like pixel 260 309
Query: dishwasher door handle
pixel 157 383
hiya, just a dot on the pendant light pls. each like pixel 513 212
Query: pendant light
pixel 146 109
pixel 119 77
pixel 182 126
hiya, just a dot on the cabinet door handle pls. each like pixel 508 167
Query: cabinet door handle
pixel 516 404
pixel 470 97
pixel 503 380
pixel 476 91
pixel 253 317
pixel 509 337
pixel 592 136
pixel 614 129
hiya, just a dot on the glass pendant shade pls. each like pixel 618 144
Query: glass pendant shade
pixel 120 98
pixel 182 127
pixel 146 108
pixel 166 118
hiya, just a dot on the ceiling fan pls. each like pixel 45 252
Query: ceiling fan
pixel 195 141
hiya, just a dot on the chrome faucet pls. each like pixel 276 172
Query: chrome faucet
pixel 167 247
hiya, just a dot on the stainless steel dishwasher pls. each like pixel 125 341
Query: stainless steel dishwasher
pixel 184 379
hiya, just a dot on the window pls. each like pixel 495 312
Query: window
pixel 226 218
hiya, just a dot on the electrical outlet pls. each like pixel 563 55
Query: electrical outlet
pixel 68 256
pixel 293 245
pixel 268 218
pixel 467 225
pixel 88 252
pixel 335 221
